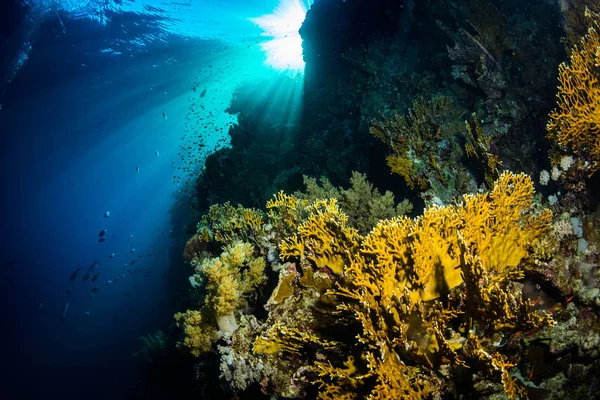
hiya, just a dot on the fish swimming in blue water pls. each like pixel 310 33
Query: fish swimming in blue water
pixel 65 309
pixel 93 266
pixel 85 277
pixel 86 313
pixel 102 239
pixel 40 305
pixel 107 214
pixel 112 255
pixel 102 233
pixel 74 274
pixel 95 277
pixel 137 169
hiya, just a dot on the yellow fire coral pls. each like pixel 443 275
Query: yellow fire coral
pixel 410 138
pixel 390 283
pixel 323 238
pixel 575 125
pixel 226 223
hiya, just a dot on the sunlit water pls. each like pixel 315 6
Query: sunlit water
pixel 98 115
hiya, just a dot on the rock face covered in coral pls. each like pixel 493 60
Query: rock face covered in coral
pixel 337 294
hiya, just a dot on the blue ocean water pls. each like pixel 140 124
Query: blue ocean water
pixel 93 122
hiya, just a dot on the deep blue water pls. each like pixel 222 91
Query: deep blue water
pixel 84 132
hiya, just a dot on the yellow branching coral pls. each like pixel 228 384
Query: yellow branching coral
pixel 286 210
pixel 391 282
pixel 323 238
pixel 199 334
pixel 226 223
pixel 575 125
pixel 280 338
pixel 478 146
pixel 409 138
pixel 499 226
pixel 496 364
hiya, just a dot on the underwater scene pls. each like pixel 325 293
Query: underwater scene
pixel 300 199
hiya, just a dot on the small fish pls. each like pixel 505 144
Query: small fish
pixel 86 313
pixel 203 92
pixel 137 169
pixel 95 277
pixel 132 262
pixel 74 274
pixel 132 251
pixel 10 264
pixel 107 214
pixel 102 233
pixel 112 255
pixel 164 115
pixel 109 282
pixel 95 290
pixel 86 276
pixel 156 153
pixel 40 305
pixel 102 239
pixel 65 309
pixel 93 267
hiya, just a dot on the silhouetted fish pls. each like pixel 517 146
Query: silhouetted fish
pixel 102 233
pixel 10 264
pixel 86 276
pixel 102 239
pixel 65 309
pixel 95 277
pixel 93 267
pixel 74 274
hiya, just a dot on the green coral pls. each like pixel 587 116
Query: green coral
pixel 363 204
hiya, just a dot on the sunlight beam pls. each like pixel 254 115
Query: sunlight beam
pixel 284 49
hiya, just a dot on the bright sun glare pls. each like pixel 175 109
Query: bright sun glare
pixel 284 50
